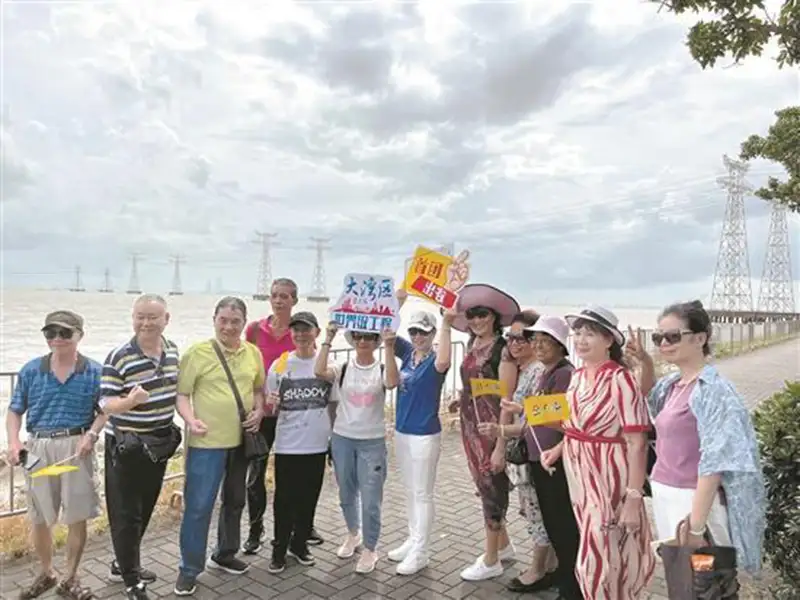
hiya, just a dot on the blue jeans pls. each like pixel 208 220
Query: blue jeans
pixel 208 469
pixel 360 468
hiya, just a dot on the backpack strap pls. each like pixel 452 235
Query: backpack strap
pixel 344 370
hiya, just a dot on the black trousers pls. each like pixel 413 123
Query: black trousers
pixel 559 522
pixel 298 483
pixel 232 500
pixel 133 484
pixel 257 491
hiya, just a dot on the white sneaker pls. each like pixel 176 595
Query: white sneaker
pixel 413 563
pixel 399 554
pixel 348 547
pixel 480 571
pixel 507 553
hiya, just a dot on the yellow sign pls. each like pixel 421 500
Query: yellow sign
pixel 54 470
pixel 488 387
pixel 435 276
pixel 282 363
pixel 545 410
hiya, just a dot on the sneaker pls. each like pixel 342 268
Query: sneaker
pixel 479 570
pixel 304 557
pixel 231 565
pixel 137 592
pixel 348 547
pixel 399 554
pixel 253 544
pixel 367 561
pixel 413 563
pixel 185 585
pixel 508 553
pixel 115 575
pixel 277 564
pixel 315 539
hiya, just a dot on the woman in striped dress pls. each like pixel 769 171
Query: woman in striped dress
pixel 605 455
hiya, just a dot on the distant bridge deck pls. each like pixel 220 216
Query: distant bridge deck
pixel 458 534
pixel 739 316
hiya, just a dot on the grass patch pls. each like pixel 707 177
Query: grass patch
pixel 729 350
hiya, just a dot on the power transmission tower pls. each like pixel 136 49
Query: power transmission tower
pixel 78 287
pixel 133 283
pixel 776 293
pixel 264 265
pixel 106 289
pixel 177 289
pixel 732 290
pixel 318 292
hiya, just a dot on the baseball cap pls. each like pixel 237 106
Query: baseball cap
pixel 422 320
pixel 64 318
pixel 304 318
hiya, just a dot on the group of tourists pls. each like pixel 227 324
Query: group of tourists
pixel 581 482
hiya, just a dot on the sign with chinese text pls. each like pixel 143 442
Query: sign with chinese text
pixel 488 387
pixel 546 410
pixel 437 277
pixel 368 304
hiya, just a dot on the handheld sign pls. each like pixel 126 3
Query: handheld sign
pixel 545 410
pixel 282 363
pixel 436 277
pixel 368 304
pixel 488 387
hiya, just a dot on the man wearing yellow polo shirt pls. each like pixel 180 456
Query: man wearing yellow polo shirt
pixel 215 455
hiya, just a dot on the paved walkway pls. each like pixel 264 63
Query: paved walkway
pixel 457 539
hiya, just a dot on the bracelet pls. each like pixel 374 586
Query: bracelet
pixel 700 533
pixel 633 493
pixel 503 431
pixel 328 344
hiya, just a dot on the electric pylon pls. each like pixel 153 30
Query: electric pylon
pixel 264 265
pixel 776 293
pixel 318 291
pixel 731 289
pixel 133 283
pixel 78 287
pixel 106 289
pixel 177 289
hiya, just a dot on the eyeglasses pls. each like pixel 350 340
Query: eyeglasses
pixel 520 338
pixel 52 333
pixel 478 312
pixel 414 332
pixel 671 337
pixel 366 337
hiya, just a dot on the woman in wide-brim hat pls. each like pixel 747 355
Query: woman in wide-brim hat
pixel 604 454
pixel 482 311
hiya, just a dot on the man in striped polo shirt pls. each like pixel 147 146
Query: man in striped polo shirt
pixel 138 392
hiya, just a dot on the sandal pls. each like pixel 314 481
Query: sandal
pixel 72 589
pixel 44 582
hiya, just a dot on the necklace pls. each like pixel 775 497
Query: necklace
pixel 415 362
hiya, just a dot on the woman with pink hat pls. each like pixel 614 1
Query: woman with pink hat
pixel 605 454
pixel 482 311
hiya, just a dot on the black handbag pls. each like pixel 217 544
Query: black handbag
pixel 517 451
pixel 159 446
pixel 684 582
pixel 255 446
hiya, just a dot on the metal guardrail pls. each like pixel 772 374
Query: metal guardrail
pixel 728 338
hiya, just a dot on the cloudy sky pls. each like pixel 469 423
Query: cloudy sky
pixel 573 150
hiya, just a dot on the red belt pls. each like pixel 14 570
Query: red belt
pixel 580 436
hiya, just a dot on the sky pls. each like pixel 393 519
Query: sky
pixel 573 149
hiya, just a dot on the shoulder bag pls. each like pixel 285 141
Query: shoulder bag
pixel 255 446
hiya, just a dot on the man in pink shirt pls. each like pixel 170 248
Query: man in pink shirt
pixel 271 335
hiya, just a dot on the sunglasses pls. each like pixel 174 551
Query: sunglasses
pixel 671 337
pixel 52 333
pixel 478 312
pixel 365 337
pixel 414 332
pixel 521 338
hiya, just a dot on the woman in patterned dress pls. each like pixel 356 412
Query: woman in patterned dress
pixel 605 455
pixel 483 311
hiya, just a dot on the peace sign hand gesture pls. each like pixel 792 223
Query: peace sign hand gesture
pixel 458 272
pixel 634 348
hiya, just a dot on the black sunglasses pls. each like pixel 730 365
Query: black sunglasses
pixel 524 337
pixel 367 337
pixel 478 312
pixel 52 333
pixel 671 337
pixel 414 331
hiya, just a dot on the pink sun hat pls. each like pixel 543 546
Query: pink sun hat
pixel 474 295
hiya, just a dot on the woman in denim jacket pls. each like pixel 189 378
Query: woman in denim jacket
pixel 708 464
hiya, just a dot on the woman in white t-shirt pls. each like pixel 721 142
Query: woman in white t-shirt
pixel 358 443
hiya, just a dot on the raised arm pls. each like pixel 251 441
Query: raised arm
pixel 391 377
pixel 445 350
pixel 321 368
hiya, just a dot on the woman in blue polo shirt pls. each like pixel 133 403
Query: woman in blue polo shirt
pixel 417 439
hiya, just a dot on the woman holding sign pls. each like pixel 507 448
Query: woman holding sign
pixel 605 454
pixel 483 311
